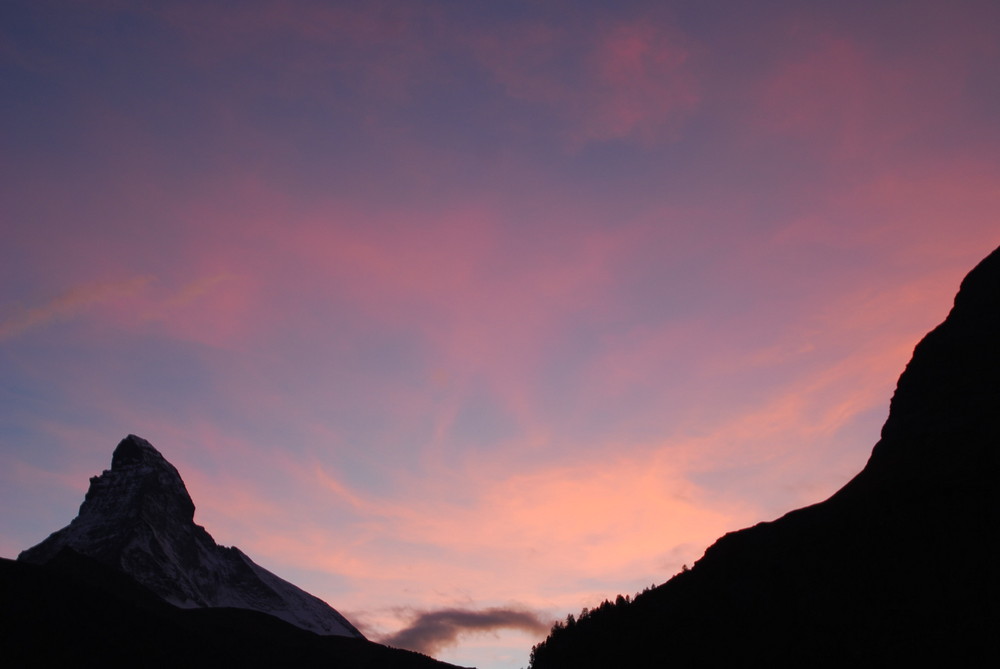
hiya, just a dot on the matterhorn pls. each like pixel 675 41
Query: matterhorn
pixel 139 518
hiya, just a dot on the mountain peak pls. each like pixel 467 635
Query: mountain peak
pixel 980 288
pixel 140 484
pixel 133 450
pixel 955 367
pixel 139 518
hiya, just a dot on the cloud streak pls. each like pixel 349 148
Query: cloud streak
pixel 69 304
pixel 430 631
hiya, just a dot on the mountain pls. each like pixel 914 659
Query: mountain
pixel 138 517
pixel 74 610
pixel 132 581
pixel 898 567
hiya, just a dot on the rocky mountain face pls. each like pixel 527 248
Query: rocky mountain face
pixel 138 517
pixel 899 567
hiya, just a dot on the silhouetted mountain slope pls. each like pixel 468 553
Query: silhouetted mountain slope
pixel 138 517
pixel 132 581
pixel 75 611
pixel 898 567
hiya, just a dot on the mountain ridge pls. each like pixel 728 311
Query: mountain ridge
pixel 899 565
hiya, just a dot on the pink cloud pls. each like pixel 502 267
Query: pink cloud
pixel 479 297
pixel 954 199
pixel 623 80
pixel 445 534
pixel 523 529
pixel 827 93
pixel 646 85
pixel 883 97
pixel 71 303
pixel 216 310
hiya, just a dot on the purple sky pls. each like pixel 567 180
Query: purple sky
pixel 478 309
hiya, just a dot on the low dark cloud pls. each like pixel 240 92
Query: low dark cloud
pixel 431 631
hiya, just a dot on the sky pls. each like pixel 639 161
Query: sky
pixel 464 315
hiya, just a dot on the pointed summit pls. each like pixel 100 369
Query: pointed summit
pixel 133 450
pixel 139 518
pixel 141 484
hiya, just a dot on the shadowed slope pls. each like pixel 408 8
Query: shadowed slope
pixel 74 610
pixel 900 565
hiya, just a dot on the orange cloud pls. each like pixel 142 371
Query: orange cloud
pixel 499 536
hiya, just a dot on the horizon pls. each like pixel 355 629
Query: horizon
pixel 477 315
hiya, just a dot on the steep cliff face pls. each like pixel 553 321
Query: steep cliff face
pixel 139 517
pixel 901 565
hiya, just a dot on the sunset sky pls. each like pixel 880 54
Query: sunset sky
pixel 478 312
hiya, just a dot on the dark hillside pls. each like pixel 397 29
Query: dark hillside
pixel 898 567
pixel 76 611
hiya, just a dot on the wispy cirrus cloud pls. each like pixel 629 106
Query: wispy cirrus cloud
pixel 69 304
